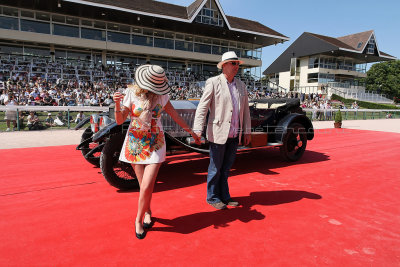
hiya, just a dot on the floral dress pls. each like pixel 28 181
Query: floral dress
pixel 142 146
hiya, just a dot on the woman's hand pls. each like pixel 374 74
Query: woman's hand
pixel 118 97
pixel 121 113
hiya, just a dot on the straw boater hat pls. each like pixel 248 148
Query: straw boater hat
pixel 152 78
pixel 228 56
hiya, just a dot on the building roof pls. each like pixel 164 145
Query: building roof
pixel 182 13
pixel 309 44
pixel 354 39
pixel 250 25
pixel 147 6
pixel 332 40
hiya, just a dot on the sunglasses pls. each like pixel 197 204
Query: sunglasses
pixel 234 63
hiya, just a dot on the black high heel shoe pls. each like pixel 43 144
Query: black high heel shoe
pixel 140 236
pixel 150 224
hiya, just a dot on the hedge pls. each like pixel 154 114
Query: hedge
pixel 363 104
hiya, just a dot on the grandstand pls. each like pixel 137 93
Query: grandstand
pixel 69 42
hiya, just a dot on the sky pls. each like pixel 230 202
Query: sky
pixel 331 18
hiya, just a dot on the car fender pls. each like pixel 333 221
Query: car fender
pixel 82 123
pixel 283 124
pixel 94 150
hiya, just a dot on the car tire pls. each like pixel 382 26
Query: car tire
pixel 294 142
pixel 85 149
pixel 117 173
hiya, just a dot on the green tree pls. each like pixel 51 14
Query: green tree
pixel 384 78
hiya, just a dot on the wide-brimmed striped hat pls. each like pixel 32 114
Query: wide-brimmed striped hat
pixel 152 78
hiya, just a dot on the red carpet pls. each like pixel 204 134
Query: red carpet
pixel 338 206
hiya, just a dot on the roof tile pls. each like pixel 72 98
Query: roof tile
pixel 354 39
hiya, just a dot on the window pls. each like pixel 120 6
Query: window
pixel 142 40
pixel 359 44
pixel 185 46
pixel 8 23
pixel 164 43
pixel 312 78
pixel 10 49
pixel 85 22
pixel 42 16
pixel 216 50
pixel 73 21
pixel 202 48
pixel 65 30
pixel 118 37
pixel 371 46
pixel 99 24
pixel 210 68
pixel 292 66
pixel 176 65
pixel 161 63
pixel 10 11
pixel 312 62
pixel 148 32
pixel 93 34
pixel 61 54
pixel 35 26
pixel 137 30
pixel 247 53
pixel 37 51
pixel 27 14
pixel 78 55
pixel 57 18
pixel 209 15
pixel 326 78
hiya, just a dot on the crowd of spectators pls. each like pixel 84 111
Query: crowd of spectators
pixel 37 82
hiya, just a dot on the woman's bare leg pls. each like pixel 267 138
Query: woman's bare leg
pixel 139 170
pixel 146 190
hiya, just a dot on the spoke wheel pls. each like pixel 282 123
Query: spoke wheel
pixel 294 142
pixel 117 173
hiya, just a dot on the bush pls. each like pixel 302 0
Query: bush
pixel 338 116
pixel 363 104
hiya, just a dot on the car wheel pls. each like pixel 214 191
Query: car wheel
pixel 117 173
pixel 294 142
pixel 95 160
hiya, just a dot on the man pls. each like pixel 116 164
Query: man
pixel 226 98
pixel 33 122
pixel 49 121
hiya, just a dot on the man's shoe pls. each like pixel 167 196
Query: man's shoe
pixel 232 203
pixel 218 205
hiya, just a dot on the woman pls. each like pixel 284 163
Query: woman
pixel 10 114
pixel 144 145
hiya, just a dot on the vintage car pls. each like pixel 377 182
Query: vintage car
pixel 275 123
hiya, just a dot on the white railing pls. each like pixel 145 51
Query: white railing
pixel 362 96
pixel 54 108
pixel 352 114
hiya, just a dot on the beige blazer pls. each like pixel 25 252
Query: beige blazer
pixel 217 98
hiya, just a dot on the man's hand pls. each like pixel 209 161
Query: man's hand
pixel 198 134
pixel 247 139
pixel 196 139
